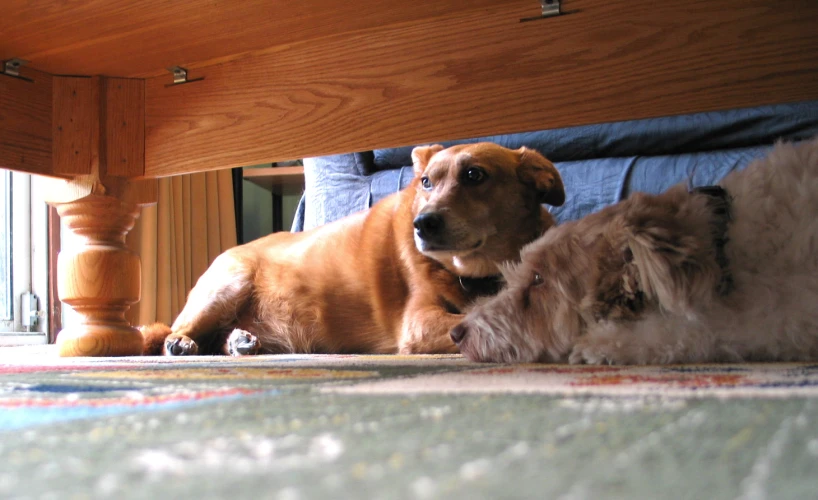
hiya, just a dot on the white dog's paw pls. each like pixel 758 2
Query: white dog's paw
pixel 592 351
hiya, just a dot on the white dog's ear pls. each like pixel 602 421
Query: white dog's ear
pixel 421 156
pixel 617 293
pixel 536 171
pixel 674 265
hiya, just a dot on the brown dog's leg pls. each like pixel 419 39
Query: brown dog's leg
pixel 426 331
pixel 153 337
pixel 441 344
pixel 158 339
pixel 217 300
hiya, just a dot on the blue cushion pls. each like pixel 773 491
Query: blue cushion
pixel 600 164
pixel 593 184
pixel 651 137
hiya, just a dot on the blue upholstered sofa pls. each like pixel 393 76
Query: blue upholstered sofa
pixel 600 164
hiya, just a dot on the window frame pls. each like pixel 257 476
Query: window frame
pixel 28 257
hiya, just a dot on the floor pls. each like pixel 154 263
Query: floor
pixel 293 427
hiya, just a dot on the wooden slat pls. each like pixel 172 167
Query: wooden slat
pixel 478 74
pixel 25 122
pixel 55 305
pixel 138 38
pixel 75 125
pixel 125 126
pixel 277 180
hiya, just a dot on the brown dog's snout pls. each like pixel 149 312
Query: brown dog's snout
pixel 429 225
pixel 459 332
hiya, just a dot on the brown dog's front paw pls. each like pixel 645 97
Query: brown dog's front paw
pixel 180 345
pixel 434 345
pixel 242 343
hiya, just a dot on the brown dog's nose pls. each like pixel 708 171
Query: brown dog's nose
pixel 459 332
pixel 428 225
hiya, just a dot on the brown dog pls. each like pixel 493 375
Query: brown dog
pixel 391 279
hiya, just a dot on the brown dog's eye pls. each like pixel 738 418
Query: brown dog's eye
pixel 537 279
pixel 475 175
pixel 426 183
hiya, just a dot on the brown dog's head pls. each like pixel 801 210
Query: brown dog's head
pixel 647 255
pixel 476 205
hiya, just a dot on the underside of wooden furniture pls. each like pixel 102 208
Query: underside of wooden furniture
pixel 275 80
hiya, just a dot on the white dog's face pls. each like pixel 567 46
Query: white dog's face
pixel 641 256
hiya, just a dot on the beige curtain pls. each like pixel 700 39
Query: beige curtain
pixel 178 238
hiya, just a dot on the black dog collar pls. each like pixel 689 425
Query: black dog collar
pixel 478 287
pixel 720 203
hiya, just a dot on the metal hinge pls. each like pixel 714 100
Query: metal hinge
pixel 180 76
pixel 12 68
pixel 550 8
pixel 29 310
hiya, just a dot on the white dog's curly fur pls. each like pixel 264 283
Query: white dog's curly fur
pixel 670 278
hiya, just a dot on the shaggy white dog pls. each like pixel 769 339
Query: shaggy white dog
pixel 727 273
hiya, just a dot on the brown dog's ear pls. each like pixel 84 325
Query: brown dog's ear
pixel 421 156
pixel 535 170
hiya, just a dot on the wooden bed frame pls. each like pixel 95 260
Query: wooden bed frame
pixel 97 109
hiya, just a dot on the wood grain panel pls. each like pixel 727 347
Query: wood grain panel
pixel 477 74
pixel 98 126
pixel 75 125
pixel 130 38
pixel 25 122
pixel 125 126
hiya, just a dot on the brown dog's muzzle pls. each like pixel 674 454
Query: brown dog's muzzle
pixel 430 227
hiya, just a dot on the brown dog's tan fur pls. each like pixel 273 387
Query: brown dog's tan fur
pixel 368 283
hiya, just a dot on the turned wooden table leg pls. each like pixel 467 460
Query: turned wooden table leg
pixel 100 278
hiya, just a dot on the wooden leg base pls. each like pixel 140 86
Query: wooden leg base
pixel 99 277
pixel 100 340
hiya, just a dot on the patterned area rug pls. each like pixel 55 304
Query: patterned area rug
pixel 307 426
